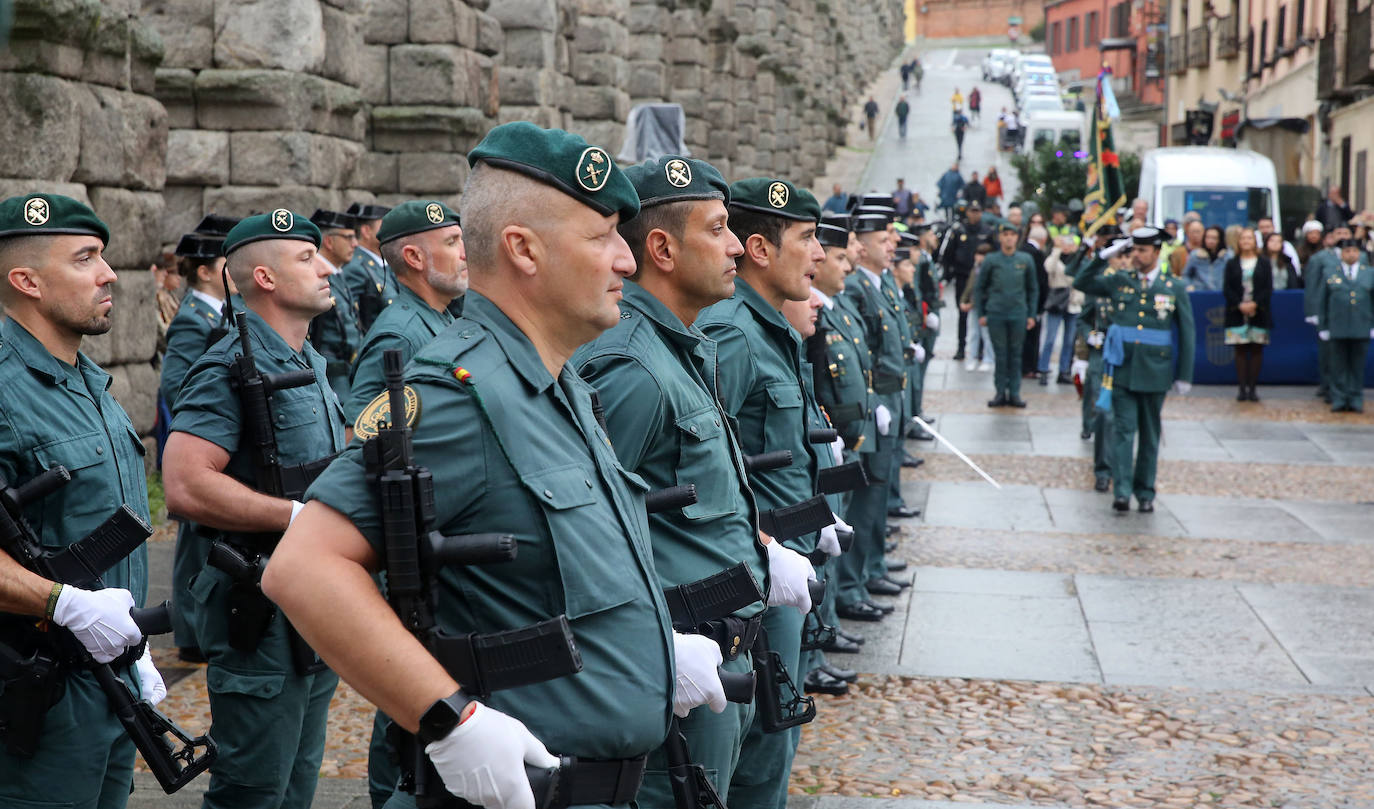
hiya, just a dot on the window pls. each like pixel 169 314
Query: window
pixel 1072 39
pixel 1263 46
pixel 1300 20
pixel 1121 20
pixel 1090 27
pixel 1054 37
pixel 1279 26
pixel 1250 53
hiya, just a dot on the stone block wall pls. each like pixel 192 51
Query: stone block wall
pixel 160 111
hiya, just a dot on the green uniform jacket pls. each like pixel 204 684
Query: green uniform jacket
pixel 367 275
pixel 515 451
pixel 408 326
pixel 335 334
pixel 1345 307
pixel 188 336
pixel 898 303
pixel 1007 288
pixel 759 385
pixel 842 384
pixel 1314 277
pixel 655 378
pixel 882 324
pixel 1135 304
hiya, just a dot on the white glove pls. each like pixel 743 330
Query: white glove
pixel 932 321
pixel 919 352
pixel 296 507
pixel 1096 339
pixel 1312 320
pixel 884 419
pixel 1182 387
pixel 1116 247
pixel 483 760
pixel 1079 368
pixel 788 573
pixel 698 679
pixel 829 542
pixel 1371 334
pixel 1323 335
pixel 150 683
pixel 837 450
pixel 99 619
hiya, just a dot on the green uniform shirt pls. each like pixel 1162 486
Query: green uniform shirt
pixel 54 414
pixel 760 386
pixel 1006 288
pixel 335 334
pixel 842 382
pixel 1133 303
pixel 1346 307
pixel 367 276
pixel 407 326
pixel 515 451
pixel 188 336
pixel 655 378
pixel 308 421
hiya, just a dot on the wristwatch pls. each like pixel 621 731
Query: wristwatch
pixel 442 717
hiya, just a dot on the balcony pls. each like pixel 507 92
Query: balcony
pixel 1326 65
pixel 1176 56
pixel 1357 64
pixel 1199 46
pixel 1228 37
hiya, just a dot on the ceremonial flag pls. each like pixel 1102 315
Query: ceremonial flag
pixel 1106 191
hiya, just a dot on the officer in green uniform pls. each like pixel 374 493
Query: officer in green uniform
pixel 370 282
pixel 199 323
pixel 1145 305
pixel 880 580
pixel 422 243
pixel 506 428
pixel 1314 275
pixel 928 283
pixel 57 411
pixel 268 709
pixel 760 386
pixel 1005 298
pixel 1091 329
pixel 843 388
pixel 655 374
pixel 335 333
pixel 887 362
pixel 1345 321
pixel 914 308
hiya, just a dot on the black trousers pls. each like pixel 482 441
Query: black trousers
pixel 960 284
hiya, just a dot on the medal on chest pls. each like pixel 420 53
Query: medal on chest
pixel 1164 304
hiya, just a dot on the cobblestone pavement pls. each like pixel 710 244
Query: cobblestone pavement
pixel 1106 741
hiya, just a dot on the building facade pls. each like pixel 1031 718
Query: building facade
pixel 943 19
pixel 1345 88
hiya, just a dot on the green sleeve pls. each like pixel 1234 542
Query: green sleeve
pixel 207 406
pixel 1319 296
pixel 734 365
pixel 367 380
pixel 1090 280
pixel 980 292
pixel 185 345
pixel 1187 336
pixel 633 403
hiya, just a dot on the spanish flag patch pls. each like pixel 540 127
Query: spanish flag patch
pixel 462 375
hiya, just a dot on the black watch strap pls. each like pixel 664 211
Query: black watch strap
pixel 442 717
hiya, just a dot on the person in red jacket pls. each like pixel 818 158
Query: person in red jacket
pixel 992 184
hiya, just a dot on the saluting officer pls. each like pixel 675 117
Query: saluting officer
pixel 1091 329
pixel 1345 320
pixel 422 243
pixel 335 333
pixel 57 411
pixel 865 563
pixel 760 386
pixel 199 323
pixel 268 709
pixel 506 428
pixel 370 283
pixel 1005 298
pixel 1145 305
pixel 655 373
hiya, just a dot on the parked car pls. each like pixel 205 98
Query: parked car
pixel 1030 61
pixel 997 64
pixel 1039 102
pixel 1035 80
pixel 1066 129
pixel 1226 186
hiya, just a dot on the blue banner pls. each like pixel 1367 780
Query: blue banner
pixel 1289 359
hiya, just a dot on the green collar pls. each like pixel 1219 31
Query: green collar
pixel 657 312
pixel 762 308
pixel 38 358
pixel 519 351
pixel 265 338
pixel 436 320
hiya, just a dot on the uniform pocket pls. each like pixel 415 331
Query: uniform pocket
pixel 703 461
pixel 785 420
pixel 81 455
pixel 263 685
pixel 595 562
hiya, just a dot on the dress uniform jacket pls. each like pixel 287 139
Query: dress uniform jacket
pixel 368 276
pixel 54 414
pixel 1346 307
pixel 514 450
pixel 883 329
pixel 188 336
pixel 407 326
pixel 1136 304
pixel 842 382
pixel 257 768
pixel 335 334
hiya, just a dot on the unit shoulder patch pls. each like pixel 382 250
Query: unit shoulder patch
pixel 378 413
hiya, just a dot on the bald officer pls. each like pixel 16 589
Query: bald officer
pixel 57 411
pixel 422 243
pixel 506 428
pixel 269 705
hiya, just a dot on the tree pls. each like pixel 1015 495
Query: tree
pixel 1049 178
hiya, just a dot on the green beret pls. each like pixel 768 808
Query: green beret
pixel 49 215
pixel 776 197
pixel 562 160
pixel 1004 226
pixel 675 179
pixel 279 224
pixel 415 216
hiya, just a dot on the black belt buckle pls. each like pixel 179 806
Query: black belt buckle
pixel 799 519
pixel 845 477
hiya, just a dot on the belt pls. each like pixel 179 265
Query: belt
pixel 733 635
pixel 846 412
pixel 885 383
pixel 593 781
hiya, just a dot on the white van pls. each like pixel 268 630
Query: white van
pixel 1066 129
pixel 1226 186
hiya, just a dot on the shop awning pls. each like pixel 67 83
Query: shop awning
pixel 1298 126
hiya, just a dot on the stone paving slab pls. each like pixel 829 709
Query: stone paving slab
pixel 1326 632
pixel 330 793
